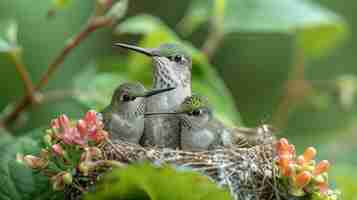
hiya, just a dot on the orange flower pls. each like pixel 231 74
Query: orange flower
pixel 309 154
pixel 321 167
pixel 302 179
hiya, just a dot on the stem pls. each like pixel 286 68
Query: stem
pixel 216 33
pixel 109 163
pixel 56 95
pixel 212 42
pixel 25 77
pixel 297 88
pixel 93 24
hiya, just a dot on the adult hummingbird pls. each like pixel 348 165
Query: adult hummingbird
pixel 171 68
pixel 201 131
pixel 124 116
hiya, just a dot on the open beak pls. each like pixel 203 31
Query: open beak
pixel 141 50
pixel 158 91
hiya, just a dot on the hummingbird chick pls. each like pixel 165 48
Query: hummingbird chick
pixel 172 68
pixel 200 131
pixel 124 116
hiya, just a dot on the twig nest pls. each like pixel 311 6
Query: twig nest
pixel 246 171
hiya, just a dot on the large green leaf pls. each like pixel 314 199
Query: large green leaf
pixel 345 180
pixel 206 80
pixel 144 181
pixel 17 181
pixel 317 28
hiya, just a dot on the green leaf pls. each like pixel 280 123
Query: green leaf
pixel 95 90
pixel 144 181
pixel 206 80
pixel 317 28
pixel 17 181
pixel 345 180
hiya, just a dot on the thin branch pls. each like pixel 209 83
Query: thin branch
pixel 212 42
pixel 25 77
pixel 56 95
pixel 215 36
pixel 93 24
pixel 296 89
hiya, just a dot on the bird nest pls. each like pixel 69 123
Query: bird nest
pixel 248 172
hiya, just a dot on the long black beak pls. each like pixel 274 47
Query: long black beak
pixel 158 91
pixel 144 51
pixel 161 113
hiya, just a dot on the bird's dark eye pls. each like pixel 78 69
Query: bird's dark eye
pixel 126 97
pixel 196 112
pixel 178 58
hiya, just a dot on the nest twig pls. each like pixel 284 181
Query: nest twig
pixel 247 172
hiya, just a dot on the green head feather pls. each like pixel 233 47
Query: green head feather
pixel 192 103
pixel 167 50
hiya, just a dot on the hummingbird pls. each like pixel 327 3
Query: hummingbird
pixel 124 116
pixel 171 68
pixel 200 131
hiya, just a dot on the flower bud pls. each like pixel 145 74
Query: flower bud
pixel 63 120
pixel 44 154
pixel 323 188
pixel 57 182
pixel 84 168
pixel 20 158
pixel 95 152
pixel 288 170
pixel 283 144
pixel 90 117
pixel 49 131
pixel 35 162
pixel 47 139
pixel 309 153
pixel 321 167
pixel 82 127
pixel 319 179
pixel 300 160
pixel 55 124
pixel 58 150
pixel 302 179
pixel 67 178
pixel 297 192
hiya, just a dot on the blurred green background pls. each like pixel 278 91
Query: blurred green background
pixel 285 62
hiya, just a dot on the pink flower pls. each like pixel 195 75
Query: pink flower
pixel 58 150
pixel 323 188
pixel 90 118
pixel 87 129
pixel 72 136
pixel 98 136
pixel 82 127
pixel 55 124
pixel 91 127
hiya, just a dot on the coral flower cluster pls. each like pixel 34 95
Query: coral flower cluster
pixel 69 147
pixel 301 173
